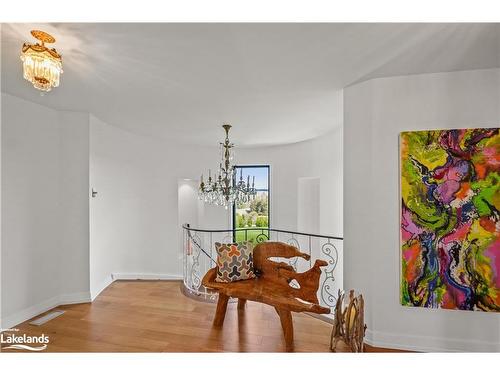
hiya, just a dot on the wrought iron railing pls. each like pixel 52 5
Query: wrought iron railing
pixel 200 256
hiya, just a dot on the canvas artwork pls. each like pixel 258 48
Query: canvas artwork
pixel 450 219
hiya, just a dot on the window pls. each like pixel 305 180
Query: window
pixel 256 213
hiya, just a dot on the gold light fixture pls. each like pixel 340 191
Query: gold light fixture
pixel 42 66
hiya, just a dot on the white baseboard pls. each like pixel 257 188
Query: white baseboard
pixel 132 276
pixel 32 311
pixel 72 298
pixel 145 276
pixel 103 285
pixel 428 343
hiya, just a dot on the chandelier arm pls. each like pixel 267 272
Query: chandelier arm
pixel 225 189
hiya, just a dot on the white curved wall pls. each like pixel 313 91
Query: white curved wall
pixel 374 114
pixel 44 164
pixel 135 219
pixel 51 159
pixel 45 230
pixel 319 157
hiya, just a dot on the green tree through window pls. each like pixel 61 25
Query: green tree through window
pixel 255 214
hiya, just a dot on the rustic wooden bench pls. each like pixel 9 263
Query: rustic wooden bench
pixel 272 286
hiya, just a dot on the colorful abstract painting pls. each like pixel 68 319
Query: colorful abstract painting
pixel 450 219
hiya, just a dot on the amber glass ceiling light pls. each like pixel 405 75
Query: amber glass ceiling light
pixel 42 66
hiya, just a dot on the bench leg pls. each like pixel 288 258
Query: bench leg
pixel 287 325
pixel 220 313
pixel 241 303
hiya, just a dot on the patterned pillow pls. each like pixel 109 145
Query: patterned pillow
pixel 234 261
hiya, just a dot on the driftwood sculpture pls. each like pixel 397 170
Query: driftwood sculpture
pixel 349 325
pixel 272 286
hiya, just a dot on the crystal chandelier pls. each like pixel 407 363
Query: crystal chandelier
pixel 42 66
pixel 224 189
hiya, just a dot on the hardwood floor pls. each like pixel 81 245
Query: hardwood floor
pixel 154 316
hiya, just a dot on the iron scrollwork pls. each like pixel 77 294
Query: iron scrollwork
pixel 328 291
pixel 199 259
pixel 293 261
pixel 195 266
pixel 261 237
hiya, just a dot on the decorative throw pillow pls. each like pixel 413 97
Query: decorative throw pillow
pixel 234 261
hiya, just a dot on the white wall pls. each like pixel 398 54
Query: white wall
pixel 135 220
pixel 74 202
pixel 44 208
pixel 59 248
pixel 134 214
pixel 321 158
pixel 374 114
pixel 1 299
pixel 308 205
pixel 318 159
pixel 188 209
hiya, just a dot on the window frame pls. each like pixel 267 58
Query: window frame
pixel 233 210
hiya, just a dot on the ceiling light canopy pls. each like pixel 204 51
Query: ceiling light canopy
pixel 42 66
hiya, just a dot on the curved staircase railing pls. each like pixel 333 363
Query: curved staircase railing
pixel 199 256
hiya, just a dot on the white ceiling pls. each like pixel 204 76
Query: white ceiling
pixel 276 83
